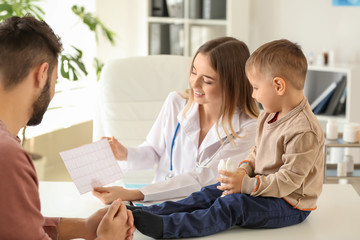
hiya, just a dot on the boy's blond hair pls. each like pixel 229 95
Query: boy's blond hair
pixel 280 58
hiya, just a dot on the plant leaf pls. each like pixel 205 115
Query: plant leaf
pixel 93 23
pixel 72 65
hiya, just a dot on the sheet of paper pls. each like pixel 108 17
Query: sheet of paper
pixel 92 165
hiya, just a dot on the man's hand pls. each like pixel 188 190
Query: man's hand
pixel 92 223
pixel 232 181
pixel 117 223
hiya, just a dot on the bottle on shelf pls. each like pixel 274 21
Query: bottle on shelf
pixel 349 165
pixel 332 129
pixel 351 132
pixel 341 168
pixel 331 58
pixel 326 57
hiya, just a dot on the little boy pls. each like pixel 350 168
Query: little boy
pixel 279 183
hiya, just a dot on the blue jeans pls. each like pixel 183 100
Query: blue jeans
pixel 205 212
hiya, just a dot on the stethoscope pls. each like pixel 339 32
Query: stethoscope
pixel 171 173
pixel 198 163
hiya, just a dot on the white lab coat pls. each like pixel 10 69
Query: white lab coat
pixel 188 177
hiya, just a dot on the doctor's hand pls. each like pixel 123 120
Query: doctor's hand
pixel 109 194
pixel 232 181
pixel 117 223
pixel 120 151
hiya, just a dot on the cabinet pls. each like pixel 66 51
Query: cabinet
pixel 330 171
pixel 186 26
pixel 320 77
pixel 317 80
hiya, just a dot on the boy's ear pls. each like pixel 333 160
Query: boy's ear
pixel 279 85
pixel 41 75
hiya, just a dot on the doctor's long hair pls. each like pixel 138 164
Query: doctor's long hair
pixel 228 58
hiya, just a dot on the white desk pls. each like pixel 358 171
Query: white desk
pixel 337 216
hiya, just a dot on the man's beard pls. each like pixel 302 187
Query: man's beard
pixel 40 105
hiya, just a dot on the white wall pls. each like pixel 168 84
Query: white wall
pixel 315 25
pixel 127 18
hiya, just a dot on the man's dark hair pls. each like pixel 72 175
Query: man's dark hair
pixel 25 42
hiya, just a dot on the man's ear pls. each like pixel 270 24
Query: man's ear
pixel 279 85
pixel 42 75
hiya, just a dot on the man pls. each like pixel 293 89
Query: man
pixel 29 52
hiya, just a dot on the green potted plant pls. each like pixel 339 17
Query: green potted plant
pixel 71 65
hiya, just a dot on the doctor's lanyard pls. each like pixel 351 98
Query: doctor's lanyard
pixel 170 175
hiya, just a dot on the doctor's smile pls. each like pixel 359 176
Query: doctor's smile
pixel 198 93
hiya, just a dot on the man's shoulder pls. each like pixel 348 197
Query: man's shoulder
pixel 7 141
pixel 10 149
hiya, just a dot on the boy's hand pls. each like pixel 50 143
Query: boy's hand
pixel 232 180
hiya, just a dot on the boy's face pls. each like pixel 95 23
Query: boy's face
pixel 264 91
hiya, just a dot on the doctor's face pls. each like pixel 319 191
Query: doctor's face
pixel 204 82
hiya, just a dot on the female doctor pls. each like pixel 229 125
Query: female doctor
pixel 213 120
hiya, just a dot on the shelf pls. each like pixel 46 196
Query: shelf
pixel 330 169
pixel 319 78
pixel 214 22
pixel 333 68
pixel 323 117
pixel 168 20
pixel 332 174
pixel 340 143
pixel 195 31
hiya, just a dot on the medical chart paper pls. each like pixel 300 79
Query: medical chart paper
pixel 92 165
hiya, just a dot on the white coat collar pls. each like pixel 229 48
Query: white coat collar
pixel 213 137
pixel 190 125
